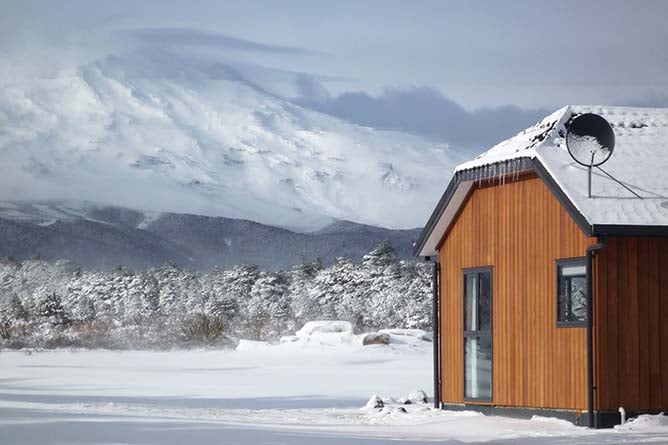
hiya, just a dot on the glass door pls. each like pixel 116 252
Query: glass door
pixel 478 334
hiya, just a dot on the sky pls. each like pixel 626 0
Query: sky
pixel 468 73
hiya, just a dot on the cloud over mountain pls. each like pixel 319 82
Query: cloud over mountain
pixel 155 129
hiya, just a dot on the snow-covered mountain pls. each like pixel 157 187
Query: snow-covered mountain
pixel 153 130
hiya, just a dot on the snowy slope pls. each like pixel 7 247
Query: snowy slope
pixel 155 131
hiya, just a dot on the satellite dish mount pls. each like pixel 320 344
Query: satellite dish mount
pixel 590 142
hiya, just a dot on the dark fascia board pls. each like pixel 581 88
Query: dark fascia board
pixel 436 214
pixel 603 230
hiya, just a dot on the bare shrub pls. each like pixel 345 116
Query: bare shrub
pixel 203 329
pixel 5 330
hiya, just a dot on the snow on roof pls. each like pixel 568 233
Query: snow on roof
pixel 640 161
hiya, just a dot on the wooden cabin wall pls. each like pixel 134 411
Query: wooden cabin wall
pixel 519 229
pixel 632 324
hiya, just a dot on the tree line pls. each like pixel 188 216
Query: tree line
pixel 56 305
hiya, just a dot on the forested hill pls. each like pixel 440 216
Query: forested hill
pixel 105 237
pixel 52 305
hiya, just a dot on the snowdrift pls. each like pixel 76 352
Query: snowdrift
pixel 331 334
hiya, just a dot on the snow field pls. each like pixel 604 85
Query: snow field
pixel 295 392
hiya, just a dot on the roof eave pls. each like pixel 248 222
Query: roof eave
pixel 485 172
pixel 528 164
pixel 626 230
pixel 436 216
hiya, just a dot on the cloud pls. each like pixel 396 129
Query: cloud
pixel 193 37
pixel 423 111
pixel 652 99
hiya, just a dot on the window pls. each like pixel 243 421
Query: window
pixel 478 334
pixel 572 292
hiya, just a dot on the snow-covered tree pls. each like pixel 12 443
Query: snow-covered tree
pixel 269 312
pixel 51 310
pixel 13 309
pixel 83 310
pixel 59 304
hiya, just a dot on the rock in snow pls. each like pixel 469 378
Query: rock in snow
pixel 417 333
pixel 288 339
pixel 393 410
pixel 374 338
pixel 325 327
pixel 375 402
pixel 418 396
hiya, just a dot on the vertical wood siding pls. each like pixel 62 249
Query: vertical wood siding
pixel 519 229
pixel 632 324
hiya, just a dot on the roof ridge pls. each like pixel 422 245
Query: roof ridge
pixel 523 144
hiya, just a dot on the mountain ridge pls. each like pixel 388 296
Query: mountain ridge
pixel 104 237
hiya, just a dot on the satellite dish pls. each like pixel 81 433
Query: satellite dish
pixel 590 141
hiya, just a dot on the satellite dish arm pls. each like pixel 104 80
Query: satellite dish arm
pixel 617 181
pixel 591 163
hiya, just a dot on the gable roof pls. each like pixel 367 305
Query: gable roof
pixel 640 161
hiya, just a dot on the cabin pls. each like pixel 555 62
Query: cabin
pixel 549 301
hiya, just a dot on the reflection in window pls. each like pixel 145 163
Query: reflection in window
pixel 478 367
pixel 478 334
pixel 572 292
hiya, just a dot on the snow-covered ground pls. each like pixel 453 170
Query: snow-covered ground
pixel 304 391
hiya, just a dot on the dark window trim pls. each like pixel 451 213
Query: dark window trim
pixel 560 263
pixel 466 271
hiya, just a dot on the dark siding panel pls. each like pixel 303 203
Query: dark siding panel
pixel 654 326
pixel 632 324
pixel 663 304
pixel 643 318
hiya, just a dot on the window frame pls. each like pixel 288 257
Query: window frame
pixel 471 334
pixel 565 262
